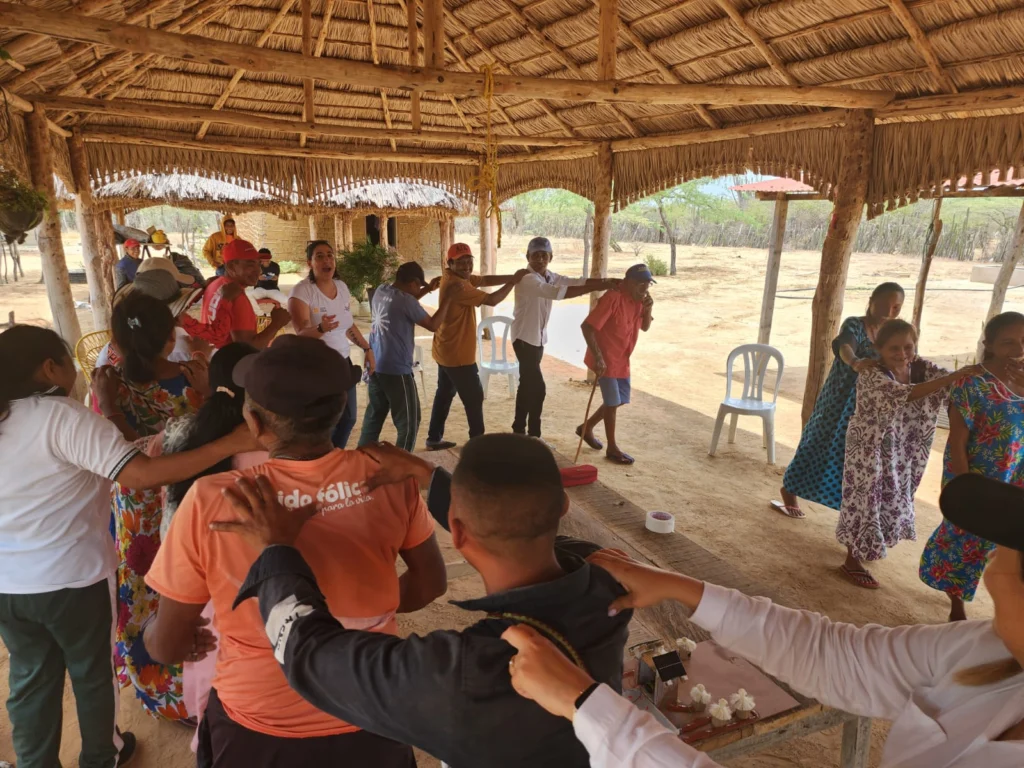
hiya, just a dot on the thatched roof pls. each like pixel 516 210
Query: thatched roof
pixel 910 49
pixel 392 196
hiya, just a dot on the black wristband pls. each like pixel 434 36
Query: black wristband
pixel 320 327
pixel 584 696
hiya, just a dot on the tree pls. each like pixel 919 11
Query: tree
pixel 672 205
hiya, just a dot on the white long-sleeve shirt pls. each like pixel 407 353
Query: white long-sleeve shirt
pixel 903 674
pixel 534 294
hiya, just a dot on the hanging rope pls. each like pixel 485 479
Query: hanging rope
pixel 487 181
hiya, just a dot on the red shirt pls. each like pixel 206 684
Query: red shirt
pixel 617 319
pixel 243 317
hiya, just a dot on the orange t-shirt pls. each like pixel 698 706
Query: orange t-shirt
pixel 455 340
pixel 351 545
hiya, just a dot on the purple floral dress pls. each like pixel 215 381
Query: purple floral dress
pixel 887 447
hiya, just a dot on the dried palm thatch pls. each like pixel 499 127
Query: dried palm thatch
pixel 141 110
pixel 392 196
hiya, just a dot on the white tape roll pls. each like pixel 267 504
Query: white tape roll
pixel 660 522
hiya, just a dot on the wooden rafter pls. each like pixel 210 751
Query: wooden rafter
pixel 608 38
pixel 375 56
pixel 413 60
pixel 162 111
pixel 308 112
pixel 286 7
pixel 922 44
pixel 325 23
pixel 203 50
pixel 757 41
pixel 665 72
pixel 536 33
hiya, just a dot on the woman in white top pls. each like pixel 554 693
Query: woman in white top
pixel 320 307
pixel 57 560
pixel 954 691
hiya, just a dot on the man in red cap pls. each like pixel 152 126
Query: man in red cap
pixel 124 271
pixel 241 266
pixel 455 343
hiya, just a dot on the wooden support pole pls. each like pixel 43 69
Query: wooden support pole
pixel 51 248
pixel 931 242
pixel 204 50
pixel 339 232
pixel 607 44
pixel 382 225
pixel 445 238
pixel 108 245
pixel 827 306
pixel 1010 262
pixel 602 222
pixel 414 60
pixel 347 230
pixel 313 234
pixel 484 256
pixel 771 275
pixel 433 34
pixel 91 236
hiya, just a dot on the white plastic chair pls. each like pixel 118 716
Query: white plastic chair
pixel 497 366
pixel 752 403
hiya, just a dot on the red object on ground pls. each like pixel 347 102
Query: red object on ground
pixel 581 475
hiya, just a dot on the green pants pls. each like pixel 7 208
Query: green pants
pixel 48 635
pixel 398 394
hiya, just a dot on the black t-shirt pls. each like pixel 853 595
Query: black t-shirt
pixel 268 276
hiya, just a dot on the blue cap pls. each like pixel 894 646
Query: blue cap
pixel 640 273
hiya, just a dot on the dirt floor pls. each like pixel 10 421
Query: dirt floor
pixel 709 307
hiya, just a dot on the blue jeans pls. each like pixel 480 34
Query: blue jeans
pixel 344 427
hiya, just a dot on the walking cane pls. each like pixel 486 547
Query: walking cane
pixel 583 431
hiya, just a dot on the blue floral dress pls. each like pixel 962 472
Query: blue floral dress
pixel 816 471
pixel 953 559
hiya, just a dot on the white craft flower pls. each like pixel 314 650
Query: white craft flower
pixel 700 694
pixel 742 701
pixel 720 710
pixel 686 645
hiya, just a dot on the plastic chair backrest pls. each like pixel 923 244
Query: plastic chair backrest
pixel 489 323
pixel 87 350
pixel 755 367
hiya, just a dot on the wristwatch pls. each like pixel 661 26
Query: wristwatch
pixel 583 697
pixel 320 327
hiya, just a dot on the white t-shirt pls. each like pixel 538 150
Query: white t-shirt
pixel 59 461
pixel 180 354
pixel 319 306
pixel 534 294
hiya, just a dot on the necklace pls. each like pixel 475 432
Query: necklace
pixel 554 635
pixel 1013 394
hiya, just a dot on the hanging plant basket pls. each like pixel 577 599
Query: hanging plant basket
pixel 21 207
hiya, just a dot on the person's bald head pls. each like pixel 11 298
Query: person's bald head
pixel 507 494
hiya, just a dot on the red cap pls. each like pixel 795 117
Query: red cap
pixel 240 250
pixel 131 244
pixel 458 250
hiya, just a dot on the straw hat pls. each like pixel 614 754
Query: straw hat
pixel 167 265
pixel 160 283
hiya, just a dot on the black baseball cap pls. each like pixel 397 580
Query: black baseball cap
pixel 296 376
pixel 985 507
pixel 411 272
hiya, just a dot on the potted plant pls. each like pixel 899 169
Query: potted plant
pixel 363 268
pixel 21 206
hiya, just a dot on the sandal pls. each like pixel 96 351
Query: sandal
pixel 621 458
pixel 593 442
pixel 860 577
pixel 789 511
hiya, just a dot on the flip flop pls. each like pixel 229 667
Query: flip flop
pixel 859 577
pixel 792 512
pixel 622 458
pixel 593 442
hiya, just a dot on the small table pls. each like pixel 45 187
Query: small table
pixel 603 516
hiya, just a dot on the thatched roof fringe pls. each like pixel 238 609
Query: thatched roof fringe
pixel 913 160
pixel 14 151
pixel 811 156
pixel 575 175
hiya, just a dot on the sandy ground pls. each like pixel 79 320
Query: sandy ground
pixel 712 305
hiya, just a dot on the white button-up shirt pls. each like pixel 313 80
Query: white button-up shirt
pixel 903 674
pixel 534 294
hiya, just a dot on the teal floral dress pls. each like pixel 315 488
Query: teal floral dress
pixel 954 559
pixel 137 516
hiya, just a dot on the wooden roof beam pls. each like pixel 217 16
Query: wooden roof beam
pixel 308 112
pixel 220 53
pixel 757 41
pixel 342 153
pixel 286 7
pixel 413 59
pixel 164 112
pixel 22 105
pixel 922 44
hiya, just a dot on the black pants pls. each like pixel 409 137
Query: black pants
pixel 464 380
pixel 395 393
pixel 223 743
pixel 531 392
